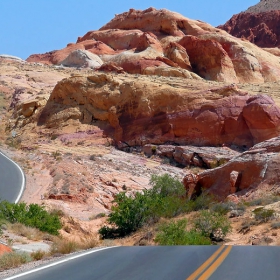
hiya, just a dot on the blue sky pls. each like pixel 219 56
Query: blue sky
pixel 38 26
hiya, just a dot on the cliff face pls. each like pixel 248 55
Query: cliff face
pixel 160 42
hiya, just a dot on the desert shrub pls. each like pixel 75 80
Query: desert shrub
pixel 107 232
pixel 89 242
pixel 168 207
pixel 63 246
pixel 240 206
pixel 129 213
pixel 271 199
pixel 223 207
pixel 275 225
pixel 166 198
pixel 66 246
pixel 264 200
pixel 92 157
pixel 246 225
pixel 38 255
pixel 26 231
pixel 165 185
pixel 97 216
pixel 57 212
pixel 263 215
pixel 202 202
pixel 175 233
pixel 255 202
pixel 212 225
pixel 13 259
pixel 32 215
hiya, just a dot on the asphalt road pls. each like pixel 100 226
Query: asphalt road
pixel 166 262
pixel 12 180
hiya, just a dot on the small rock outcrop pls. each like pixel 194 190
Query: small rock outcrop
pixel 204 157
pixel 252 170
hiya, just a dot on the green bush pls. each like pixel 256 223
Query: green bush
pixel 129 213
pixel 166 185
pixel 106 232
pixel 212 224
pixel 32 215
pixel 175 233
pixel 168 207
pixel 166 198
pixel 202 202
pixel 263 215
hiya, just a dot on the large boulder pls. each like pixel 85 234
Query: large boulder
pixel 262 116
pixel 141 111
pixel 82 58
pixel 178 54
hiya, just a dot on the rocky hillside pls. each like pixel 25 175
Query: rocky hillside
pixel 150 87
pixel 164 43
pixel 259 24
pixel 151 92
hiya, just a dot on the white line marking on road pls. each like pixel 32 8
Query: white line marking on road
pixel 56 263
pixel 22 174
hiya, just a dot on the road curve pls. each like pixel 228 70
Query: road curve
pixel 12 180
pixel 164 262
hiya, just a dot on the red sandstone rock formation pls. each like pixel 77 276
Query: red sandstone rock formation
pixel 254 169
pixel 139 112
pixel 209 59
pixel 156 42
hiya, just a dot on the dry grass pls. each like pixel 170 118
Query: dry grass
pixel 13 259
pixel 63 246
pixel 38 255
pixel 88 243
pixel 28 232
pixel 67 246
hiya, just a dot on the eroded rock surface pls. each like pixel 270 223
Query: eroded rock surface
pixel 161 42
pixel 204 157
pixel 138 112
pixel 253 170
